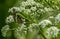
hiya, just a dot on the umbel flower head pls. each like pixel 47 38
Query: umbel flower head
pixel 48 9
pixel 33 8
pixel 9 19
pixel 28 2
pixel 4 30
pixel 44 23
pixel 52 31
pixel 14 9
pixel 29 5
pixel 57 18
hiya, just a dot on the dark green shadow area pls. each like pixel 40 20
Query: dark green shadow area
pixel 4 7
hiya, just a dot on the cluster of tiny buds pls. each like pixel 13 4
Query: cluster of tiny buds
pixel 14 10
pixel 9 19
pixel 52 31
pixel 57 18
pixel 44 23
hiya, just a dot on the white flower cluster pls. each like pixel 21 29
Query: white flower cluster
pixel 52 31
pixel 14 9
pixel 51 17
pixel 28 2
pixel 33 8
pixel 32 27
pixel 22 8
pixel 57 18
pixel 4 30
pixel 9 19
pixel 27 11
pixel 48 9
pixel 44 23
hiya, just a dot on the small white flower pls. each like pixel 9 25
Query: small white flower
pixel 51 17
pixel 24 4
pixel 43 23
pixel 39 5
pixel 52 31
pixel 33 8
pixel 22 8
pixel 4 30
pixel 14 9
pixel 9 19
pixel 48 9
pixel 32 27
pixel 28 2
pixel 41 10
pixel 23 27
pixel 31 2
pixel 57 18
pixel 27 11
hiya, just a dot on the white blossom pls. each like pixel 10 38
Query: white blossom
pixel 4 30
pixel 17 33
pixel 31 2
pixel 48 9
pixel 32 27
pixel 43 23
pixel 51 17
pixel 57 18
pixel 52 31
pixel 14 9
pixel 27 11
pixel 28 2
pixel 33 8
pixel 24 4
pixel 41 10
pixel 9 19
pixel 39 5
pixel 22 8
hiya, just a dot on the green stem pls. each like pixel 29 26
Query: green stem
pixel 40 32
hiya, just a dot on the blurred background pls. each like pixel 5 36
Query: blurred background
pixel 4 7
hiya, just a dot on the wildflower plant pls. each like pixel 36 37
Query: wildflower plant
pixel 9 19
pixel 52 31
pixel 32 19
